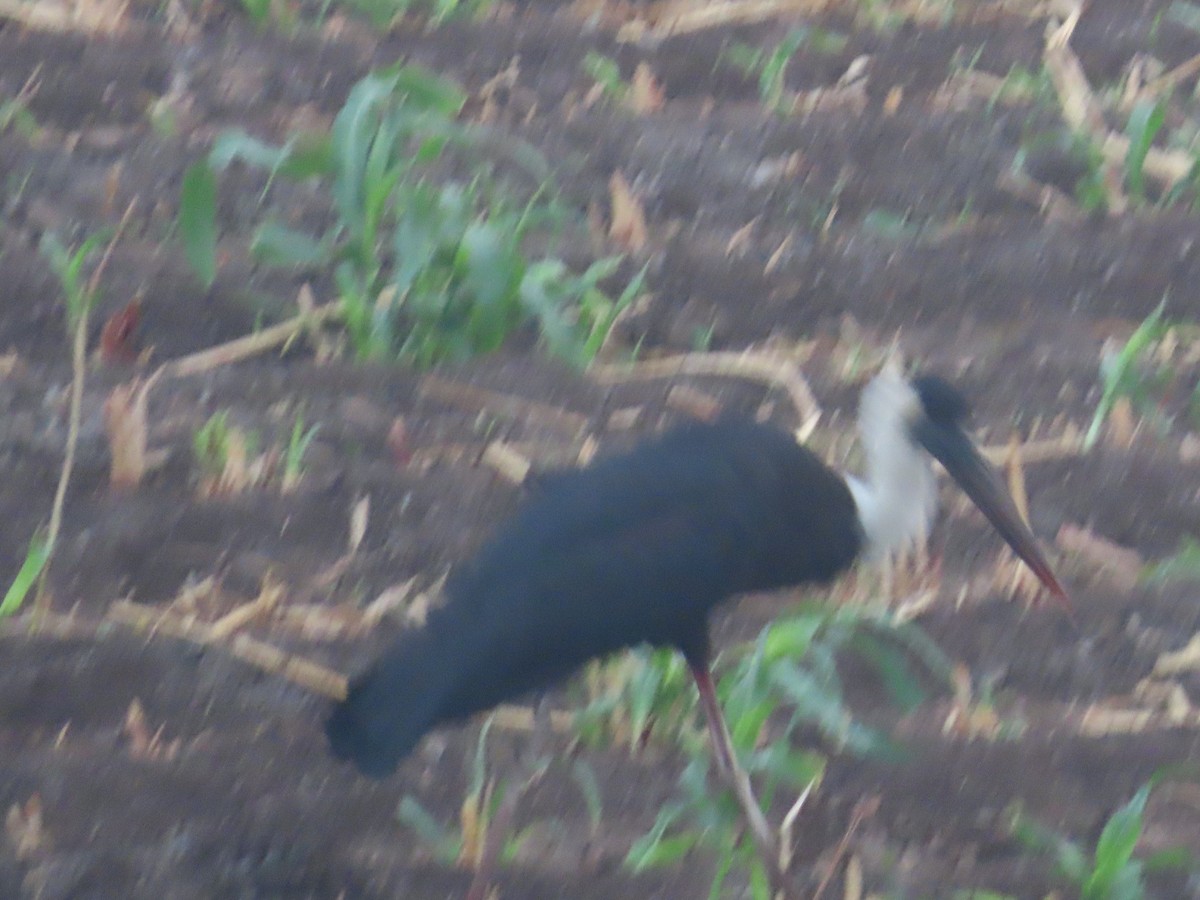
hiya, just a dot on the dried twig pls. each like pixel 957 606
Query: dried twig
pixel 506 461
pixel 766 368
pixel 1064 447
pixel 251 344
pixel 261 655
pixel 307 674
pixel 1082 111
pixel 468 396
pixel 1169 80
pixel 75 412
pixel 716 15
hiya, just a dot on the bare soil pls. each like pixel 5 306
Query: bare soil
pixel 237 797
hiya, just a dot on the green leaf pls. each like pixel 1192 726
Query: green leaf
pixel 791 637
pixel 1115 375
pixel 36 558
pixel 198 221
pixel 771 78
pixel 1115 848
pixel 1070 860
pixel 68 266
pixel 898 679
pixel 351 139
pixel 655 849
pixel 1185 13
pixel 490 268
pixel 237 145
pixel 542 293
pixel 279 245
pixel 309 156
pixel 1182 565
pixel 428 91
pixel 585 777
pixel 428 829
pixel 1145 121
pixel 760 885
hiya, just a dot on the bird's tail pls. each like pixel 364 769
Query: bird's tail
pixel 390 706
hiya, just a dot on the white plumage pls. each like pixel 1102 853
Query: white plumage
pixel 897 497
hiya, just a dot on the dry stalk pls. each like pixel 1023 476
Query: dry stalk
pixel 261 655
pixel 498 829
pixel 1082 112
pixel 1167 82
pixel 863 810
pixel 252 344
pixel 506 461
pixel 50 624
pixel 75 413
pixel 1065 447
pixel 771 369
pixel 509 406
pixel 714 15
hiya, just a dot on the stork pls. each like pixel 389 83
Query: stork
pixel 640 547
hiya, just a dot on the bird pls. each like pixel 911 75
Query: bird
pixel 640 547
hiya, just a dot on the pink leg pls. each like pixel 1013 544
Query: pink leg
pixel 735 775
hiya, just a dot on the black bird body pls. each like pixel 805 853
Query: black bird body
pixel 638 548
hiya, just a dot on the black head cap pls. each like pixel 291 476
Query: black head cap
pixel 941 402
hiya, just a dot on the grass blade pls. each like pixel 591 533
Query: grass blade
pixel 198 221
pixel 35 560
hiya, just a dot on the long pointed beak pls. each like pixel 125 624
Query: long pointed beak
pixel 950 446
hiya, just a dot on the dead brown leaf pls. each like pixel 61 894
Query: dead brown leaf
pixel 1122 565
pixel 11 363
pixel 125 422
pixel 270 594
pixel 741 239
pixel 136 729
pixel 891 103
pixel 24 825
pixel 117 337
pixel 1186 659
pixel 144 744
pixel 645 94
pixel 510 464
pixel 628 225
pixel 695 403
pixel 360 515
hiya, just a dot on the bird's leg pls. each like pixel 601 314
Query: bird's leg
pixel 731 770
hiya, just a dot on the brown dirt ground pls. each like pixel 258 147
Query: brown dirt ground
pixel 1012 305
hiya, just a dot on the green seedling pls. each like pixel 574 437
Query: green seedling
pixel 31 570
pixel 79 295
pixel 15 114
pixel 1145 122
pixel 584 777
pixel 1123 374
pixel 890 225
pixel 769 67
pixel 425 271
pixel 384 13
pixel 1182 565
pixel 211 444
pixel 465 844
pixel 786 679
pixel 605 72
pixel 1023 85
pixel 293 458
pixel 266 12
pixel 1112 871
pixel 1185 13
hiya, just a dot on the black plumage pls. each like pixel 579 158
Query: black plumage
pixel 638 548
